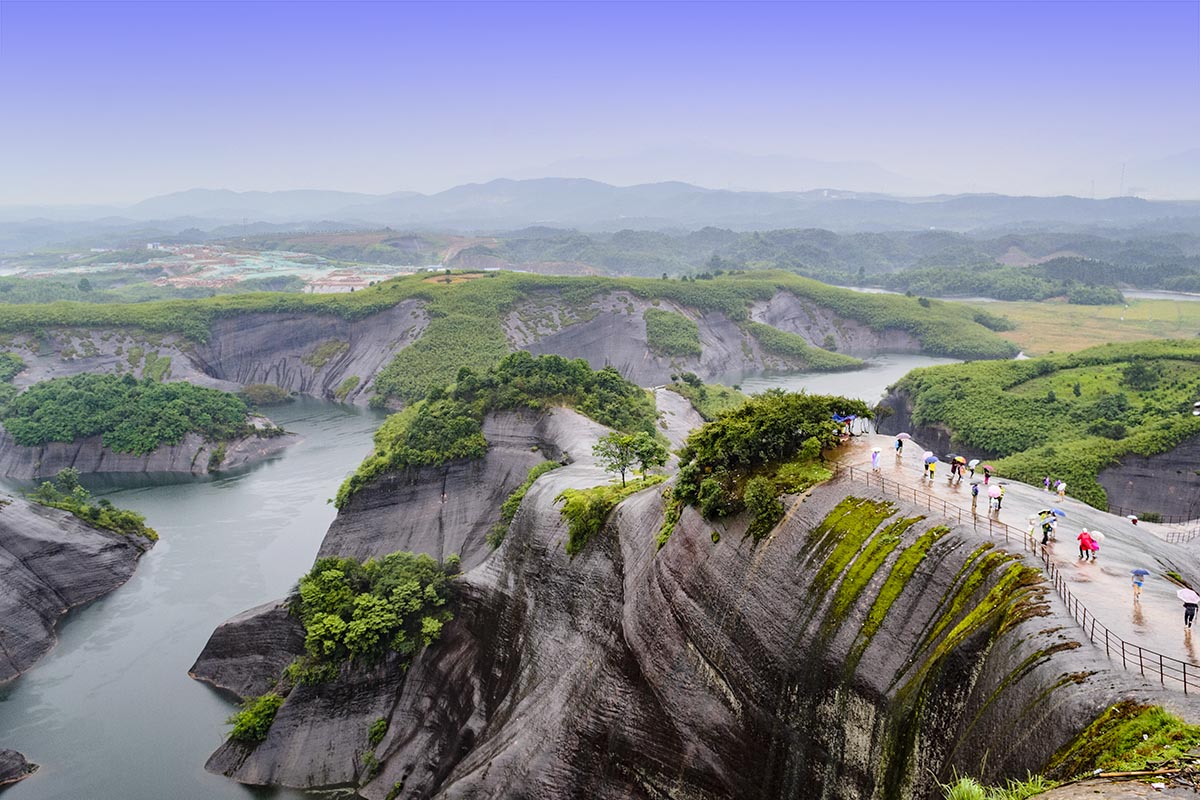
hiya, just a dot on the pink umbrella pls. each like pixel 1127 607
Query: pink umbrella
pixel 994 491
pixel 903 436
pixel 1188 596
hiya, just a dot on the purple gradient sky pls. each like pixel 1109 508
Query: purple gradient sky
pixel 112 102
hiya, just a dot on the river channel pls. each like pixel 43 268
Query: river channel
pixel 111 713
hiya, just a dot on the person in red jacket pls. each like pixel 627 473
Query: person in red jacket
pixel 1085 545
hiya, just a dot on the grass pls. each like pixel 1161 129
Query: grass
pixel 965 788
pixel 1051 327
pixel 1126 738
pixel 709 400
pixel 585 510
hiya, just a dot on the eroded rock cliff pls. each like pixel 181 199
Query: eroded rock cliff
pixel 51 562
pixel 861 650
pixel 192 456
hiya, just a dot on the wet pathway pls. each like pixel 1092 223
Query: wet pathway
pixel 1103 586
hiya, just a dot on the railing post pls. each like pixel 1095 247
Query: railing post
pixel 1141 663
pixel 1124 665
pixel 1184 676
pixel 1162 678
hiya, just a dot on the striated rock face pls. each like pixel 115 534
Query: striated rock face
pixel 308 353
pixel 248 652
pixel 14 767
pixel 896 417
pixel 789 313
pixel 859 651
pixel 1167 483
pixel 191 456
pixel 51 562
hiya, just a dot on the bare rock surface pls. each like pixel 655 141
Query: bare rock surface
pixel 14 767
pixel 89 455
pixel 247 653
pixel 787 312
pixel 723 668
pixel 1167 483
pixel 309 353
pixel 51 562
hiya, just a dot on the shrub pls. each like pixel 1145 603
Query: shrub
pixel 586 509
pixel 377 731
pixel 762 503
pixel 353 610
pixel 265 394
pixel 323 353
pixel 251 724
pixel 508 510
pixel 671 334
pixel 346 387
pixel 65 493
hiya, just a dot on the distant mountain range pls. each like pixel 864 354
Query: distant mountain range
pixel 586 205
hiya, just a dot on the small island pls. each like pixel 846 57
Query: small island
pixel 117 423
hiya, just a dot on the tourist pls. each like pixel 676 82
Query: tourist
pixel 1047 529
pixel 875 459
pixel 932 464
pixel 987 473
pixel 1085 545
pixel 1138 580
pixel 974 497
pixel 899 447
pixel 1189 614
pixel 1046 483
pixel 1062 490
pixel 999 497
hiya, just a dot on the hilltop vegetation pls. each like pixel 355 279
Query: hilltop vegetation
pixel 448 423
pixel 1079 412
pixel 466 317
pixel 747 457
pixel 65 493
pixel 131 416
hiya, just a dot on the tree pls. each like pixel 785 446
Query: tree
pixel 85 285
pixel 649 451
pixel 617 452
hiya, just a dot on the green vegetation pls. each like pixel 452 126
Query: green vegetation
pixel 64 492
pixel 775 435
pixel 709 400
pixel 156 367
pixel 362 611
pixel 586 509
pixel 323 353
pixel 796 349
pixel 448 424
pixel 250 725
pixel 265 394
pixel 964 788
pixel 346 387
pixel 1134 398
pixel 1127 737
pixel 671 334
pixel 216 458
pixel 11 365
pixel 1001 283
pixel 621 452
pixel 465 326
pixel 131 416
pixel 508 509
pixel 377 731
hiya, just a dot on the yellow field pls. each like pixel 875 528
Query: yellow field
pixel 1058 327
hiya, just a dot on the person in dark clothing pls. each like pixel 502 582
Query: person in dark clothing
pixel 1189 614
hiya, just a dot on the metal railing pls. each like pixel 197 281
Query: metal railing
pixel 1167 519
pixel 1133 656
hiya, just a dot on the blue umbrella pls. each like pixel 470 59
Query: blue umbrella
pixel 1140 571
pixel 930 459
pixel 1058 512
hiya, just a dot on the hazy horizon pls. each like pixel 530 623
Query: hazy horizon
pixel 112 103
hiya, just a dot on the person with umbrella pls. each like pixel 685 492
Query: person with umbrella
pixel 987 473
pixel 1062 490
pixel 1139 577
pixel 1191 601
pixel 994 497
pixel 972 464
pixel 900 437
pixel 875 458
pixel 974 495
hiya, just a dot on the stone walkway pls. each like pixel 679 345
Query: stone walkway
pixel 1103 586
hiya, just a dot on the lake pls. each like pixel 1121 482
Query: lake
pixel 111 711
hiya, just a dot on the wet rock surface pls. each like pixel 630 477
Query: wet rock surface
pixel 722 668
pixel 1167 483
pixel 51 562
pixel 246 654
pixel 14 767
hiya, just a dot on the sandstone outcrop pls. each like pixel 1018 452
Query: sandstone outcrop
pixel 51 562
pixel 192 456
pixel 861 650
pixel 14 767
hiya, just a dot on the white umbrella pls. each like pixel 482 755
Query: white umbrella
pixel 927 454
pixel 973 463
pixel 1188 596
pixel 1098 536
pixel 876 449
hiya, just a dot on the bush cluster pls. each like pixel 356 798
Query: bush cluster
pixel 131 416
pixel 448 424
pixel 64 492
pixel 671 334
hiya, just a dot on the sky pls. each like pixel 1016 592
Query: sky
pixel 114 102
